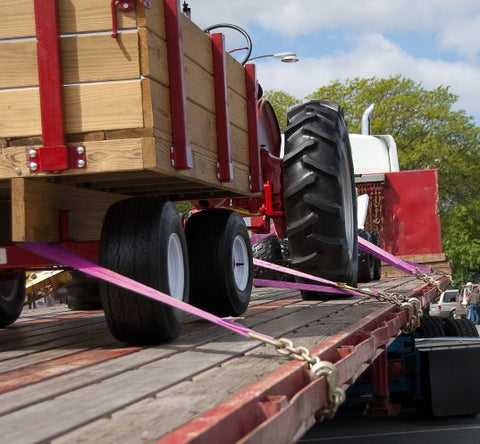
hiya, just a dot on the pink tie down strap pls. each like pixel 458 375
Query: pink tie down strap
pixel 64 257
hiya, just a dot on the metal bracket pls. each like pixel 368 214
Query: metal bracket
pixel 56 158
pixel 121 5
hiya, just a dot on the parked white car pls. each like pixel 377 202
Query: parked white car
pixel 448 306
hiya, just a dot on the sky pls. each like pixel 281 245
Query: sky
pixel 433 42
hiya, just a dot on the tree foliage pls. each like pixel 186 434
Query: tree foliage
pixel 281 102
pixel 430 133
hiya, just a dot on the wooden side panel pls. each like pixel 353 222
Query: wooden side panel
pixel 36 207
pixel 88 107
pixel 18 18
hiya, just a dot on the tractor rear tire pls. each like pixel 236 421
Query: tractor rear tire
pixel 319 194
pixel 12 297
pixel 143 238
pixel 365 260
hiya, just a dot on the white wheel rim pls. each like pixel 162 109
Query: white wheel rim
pixel 241 264
pixel 176 269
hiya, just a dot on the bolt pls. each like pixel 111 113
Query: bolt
pixel 33 166
pixel 80 150
pixel 32 153
pixel 80 163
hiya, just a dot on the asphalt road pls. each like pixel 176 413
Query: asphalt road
pixel 350 426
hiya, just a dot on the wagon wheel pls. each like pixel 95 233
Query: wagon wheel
pixel 221 262
pixel 320 199
pixel 143 238
pixel 12 296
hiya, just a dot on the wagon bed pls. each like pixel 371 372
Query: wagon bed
pixel 65 379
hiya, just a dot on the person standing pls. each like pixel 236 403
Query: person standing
pixel 474 301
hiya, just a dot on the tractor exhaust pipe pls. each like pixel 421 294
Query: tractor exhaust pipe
pixel 367 114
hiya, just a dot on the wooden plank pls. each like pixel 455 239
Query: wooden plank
pixel 204 170
pixel 85 58
pixel 103 157
pixel 36 206
pixel 88 107
pixel 18 18
pixel 18 63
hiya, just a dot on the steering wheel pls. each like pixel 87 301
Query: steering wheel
pixel 247 48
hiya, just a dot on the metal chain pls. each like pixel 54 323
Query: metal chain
pixel 318 368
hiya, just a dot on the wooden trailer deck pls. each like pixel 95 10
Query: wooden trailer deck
pixel 65 379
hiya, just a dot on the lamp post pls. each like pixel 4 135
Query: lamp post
pixel 286 57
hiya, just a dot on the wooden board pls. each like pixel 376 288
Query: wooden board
pixel 37 205
pixel 108 392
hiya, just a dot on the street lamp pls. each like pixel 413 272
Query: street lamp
pixel 286 57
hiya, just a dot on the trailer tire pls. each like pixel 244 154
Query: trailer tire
pixel 319 194
pixel 83 293
pixel 430 327
pixel 217 239
pixel 460 327
pixel 12 297
pixel 143 238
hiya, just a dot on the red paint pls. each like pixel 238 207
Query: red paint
pixel 253 147
pixel 181 153
pixel 411 224
pixel 224 166
pixel 50 87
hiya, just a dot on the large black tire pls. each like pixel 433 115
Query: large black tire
pixel 377 265
pixel 12 296
pixel 143 238
pixel 460 327
pixel 221 264
pixel 430 327
pixel 319 194
pixel 365 260
pixel 83 293
pixel 268 250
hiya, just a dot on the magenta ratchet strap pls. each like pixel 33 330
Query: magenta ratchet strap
pixel 66 258
pixel 389 258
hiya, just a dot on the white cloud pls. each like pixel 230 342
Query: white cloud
pixel 364 25
pixel 374 56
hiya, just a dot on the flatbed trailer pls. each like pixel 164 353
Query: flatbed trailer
pixel 64 378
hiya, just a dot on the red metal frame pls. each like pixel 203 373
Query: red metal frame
pixel 181 152
pixel 224 165
pixel 286 401
pixel 54 155
pixel 254 149
pixel 50 88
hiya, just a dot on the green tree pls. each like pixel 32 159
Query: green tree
pixel 281 102
pixel 430 133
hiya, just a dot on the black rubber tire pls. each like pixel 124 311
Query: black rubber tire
pixel 377 265
pixel 460 327
pixel 268 250
pixel 137 236
pixel 365 260
pixel 83 293
pixel 319 194
pixel 430 327
pixel 12 297
pixel 218 285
